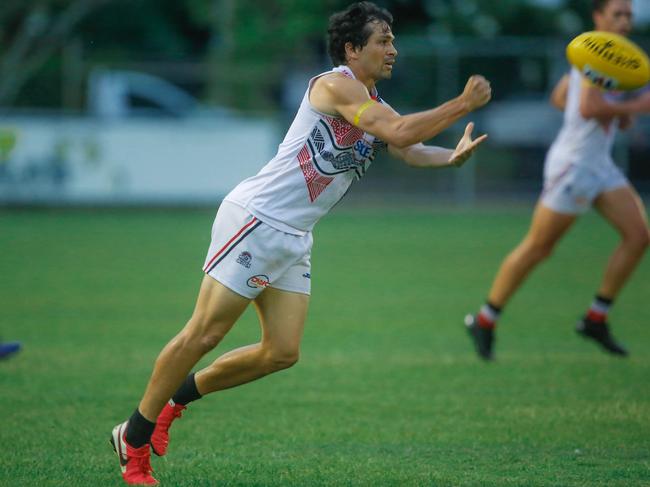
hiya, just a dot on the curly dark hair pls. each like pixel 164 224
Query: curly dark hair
pixel 351 25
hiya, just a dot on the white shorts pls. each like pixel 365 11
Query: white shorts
pixel 573 190
pixel 246 255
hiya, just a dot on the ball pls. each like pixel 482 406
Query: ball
pixel 609 60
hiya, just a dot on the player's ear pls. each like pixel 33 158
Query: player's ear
pixel 350 51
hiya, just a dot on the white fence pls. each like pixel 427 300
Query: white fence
pixel 149 161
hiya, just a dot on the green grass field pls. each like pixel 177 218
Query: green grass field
pixel 387 392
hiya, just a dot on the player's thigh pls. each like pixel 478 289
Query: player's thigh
pixel 624 209
pixel 282 316
pixel 548 226
pixel 217 307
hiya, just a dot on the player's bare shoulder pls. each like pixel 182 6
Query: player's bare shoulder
pixel 335 89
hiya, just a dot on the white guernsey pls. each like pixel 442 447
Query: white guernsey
pixel 318 160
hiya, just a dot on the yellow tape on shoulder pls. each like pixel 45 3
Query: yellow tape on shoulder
pixel 362 109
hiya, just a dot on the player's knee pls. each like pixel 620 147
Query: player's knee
pixel 538 251
pixel 644 239
pixel 276 360
pixel 203 333
pixel 639 240
pixel 200 343
pixel 546 250
pixel 209 341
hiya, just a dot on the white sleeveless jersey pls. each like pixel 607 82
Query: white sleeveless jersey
pixel 315 165
pixel 581 141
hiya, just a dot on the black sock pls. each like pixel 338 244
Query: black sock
pixel 494 308
pixel 187 392
pixel 604 300
pixel 139 430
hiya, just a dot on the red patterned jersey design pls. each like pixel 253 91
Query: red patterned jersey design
pixel 346 134
pixel 316 183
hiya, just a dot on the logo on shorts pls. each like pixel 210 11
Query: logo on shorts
pixel 578 199
pixel 307 275
pixel 258 281
pixel 245 259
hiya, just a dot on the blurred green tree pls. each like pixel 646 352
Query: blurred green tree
pixel 31 31
pixel 253 43
pixel 241 51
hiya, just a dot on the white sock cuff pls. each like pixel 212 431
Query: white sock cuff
pixel 489 313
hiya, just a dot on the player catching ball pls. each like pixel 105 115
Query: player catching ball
pixel 262 234
pixel 579 173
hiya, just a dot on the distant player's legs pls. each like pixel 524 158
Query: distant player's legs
pixel 282 317
pixel 546 229
pixel 623 208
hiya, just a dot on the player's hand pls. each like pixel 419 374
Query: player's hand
pixel 477 92
pixel 466 146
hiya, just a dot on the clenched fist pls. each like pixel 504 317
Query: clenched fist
pixel 477 92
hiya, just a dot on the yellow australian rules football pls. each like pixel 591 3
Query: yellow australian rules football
pixel 609 60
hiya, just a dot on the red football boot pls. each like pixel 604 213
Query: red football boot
pixel 134 462
pixel 160 437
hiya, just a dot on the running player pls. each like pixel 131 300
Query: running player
pixel 261 237
pixel 579 173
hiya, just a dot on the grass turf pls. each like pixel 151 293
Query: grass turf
pixel 387 392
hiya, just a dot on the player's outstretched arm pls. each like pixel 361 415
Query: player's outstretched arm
pixel 594 105
pixel 420 155
pixel 349 98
